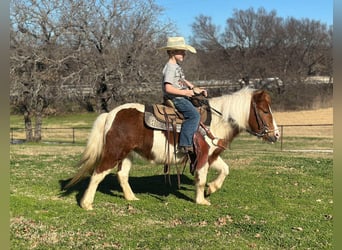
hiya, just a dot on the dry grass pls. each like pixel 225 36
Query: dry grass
pixel 41 149
pixel 317 116
pixel 306 117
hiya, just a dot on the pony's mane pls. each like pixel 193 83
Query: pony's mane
pixel 235 106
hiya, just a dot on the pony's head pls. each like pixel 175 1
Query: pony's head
pixel 261 121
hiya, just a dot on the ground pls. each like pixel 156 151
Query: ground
pixel 307 117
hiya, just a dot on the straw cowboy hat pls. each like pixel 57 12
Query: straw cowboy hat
pixel 177 43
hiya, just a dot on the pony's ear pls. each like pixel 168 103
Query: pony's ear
pixel 260 95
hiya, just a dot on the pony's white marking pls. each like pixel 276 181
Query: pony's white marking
pixel 159 148
pixel 201 179
pixel 123 180
pixel 223 169
pixel 88 197
pixel 276 129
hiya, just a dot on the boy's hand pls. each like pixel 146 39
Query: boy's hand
pixel 189 92
pixel 198 91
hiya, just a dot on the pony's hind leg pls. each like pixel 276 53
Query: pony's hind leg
pixel 223 171
pixel 123 174
pixel 88 197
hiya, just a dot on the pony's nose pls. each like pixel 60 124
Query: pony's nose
pixel 277 134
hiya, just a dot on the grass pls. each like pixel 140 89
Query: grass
pixel 67 120
pixel 271 200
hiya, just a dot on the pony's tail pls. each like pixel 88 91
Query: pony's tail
pixel 93 151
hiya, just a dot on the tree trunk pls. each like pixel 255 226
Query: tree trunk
pixel 38 127
pixel 28 126
pixel 102 98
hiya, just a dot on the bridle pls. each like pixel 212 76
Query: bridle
pixel 263 128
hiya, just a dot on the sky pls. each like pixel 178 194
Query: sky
pixel 183 12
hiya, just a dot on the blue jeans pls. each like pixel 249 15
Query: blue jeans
pixel 191 120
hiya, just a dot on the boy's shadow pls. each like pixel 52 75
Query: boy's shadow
pixel 152 185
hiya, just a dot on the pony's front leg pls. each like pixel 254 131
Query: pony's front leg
pixel 88 197
pixel 223 171
pixel 200 181
pixel 123 175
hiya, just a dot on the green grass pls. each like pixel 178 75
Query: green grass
pixel 270 200
pixel 70 120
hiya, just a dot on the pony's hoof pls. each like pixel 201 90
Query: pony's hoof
pixel 204 202
pixel 132 198
pixel 86 206
pixel 211 189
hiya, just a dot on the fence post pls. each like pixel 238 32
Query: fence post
pixel 12 129
pixel 73 135
pixel 281 137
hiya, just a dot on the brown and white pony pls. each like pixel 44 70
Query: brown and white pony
pixel 118 133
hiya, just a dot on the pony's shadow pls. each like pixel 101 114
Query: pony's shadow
pixel 156 186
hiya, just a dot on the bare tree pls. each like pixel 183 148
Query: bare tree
pixel 34 66
pixel 84 50
pixel 259 44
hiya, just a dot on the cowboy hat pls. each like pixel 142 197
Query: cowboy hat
pixel 177 43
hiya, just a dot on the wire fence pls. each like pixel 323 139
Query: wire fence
pixel 53 135
pixel 313 137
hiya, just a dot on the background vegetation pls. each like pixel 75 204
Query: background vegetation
pixel 71 56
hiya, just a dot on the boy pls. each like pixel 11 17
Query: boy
pixel 176 88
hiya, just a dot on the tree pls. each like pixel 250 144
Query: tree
pixel 259 44
pixel 34 66
pixel 83 50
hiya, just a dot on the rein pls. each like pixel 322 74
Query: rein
pixel 217 112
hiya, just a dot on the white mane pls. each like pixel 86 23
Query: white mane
pixel 234 107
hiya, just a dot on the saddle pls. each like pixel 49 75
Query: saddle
pixel 160 116
pixel 164 116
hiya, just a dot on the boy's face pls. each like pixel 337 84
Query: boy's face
pixel 179 55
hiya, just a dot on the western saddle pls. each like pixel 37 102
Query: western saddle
pixel 166 117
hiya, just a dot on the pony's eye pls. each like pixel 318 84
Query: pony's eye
pixel 265 112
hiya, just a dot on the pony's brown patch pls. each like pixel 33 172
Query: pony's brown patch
pixel 127 133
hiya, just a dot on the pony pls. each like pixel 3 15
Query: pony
pixel 117 134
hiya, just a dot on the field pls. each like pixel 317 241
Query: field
pixel 271 200
pixel 317 116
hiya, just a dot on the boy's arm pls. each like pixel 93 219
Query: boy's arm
pixel 169 88
pixel 197 90
pixel 189 84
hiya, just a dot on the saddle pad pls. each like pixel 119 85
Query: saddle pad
pixel 155 116
pixel 152 122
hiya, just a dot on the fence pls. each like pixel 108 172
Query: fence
pixel 313 137
pixel 53 135
pixel 317 136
